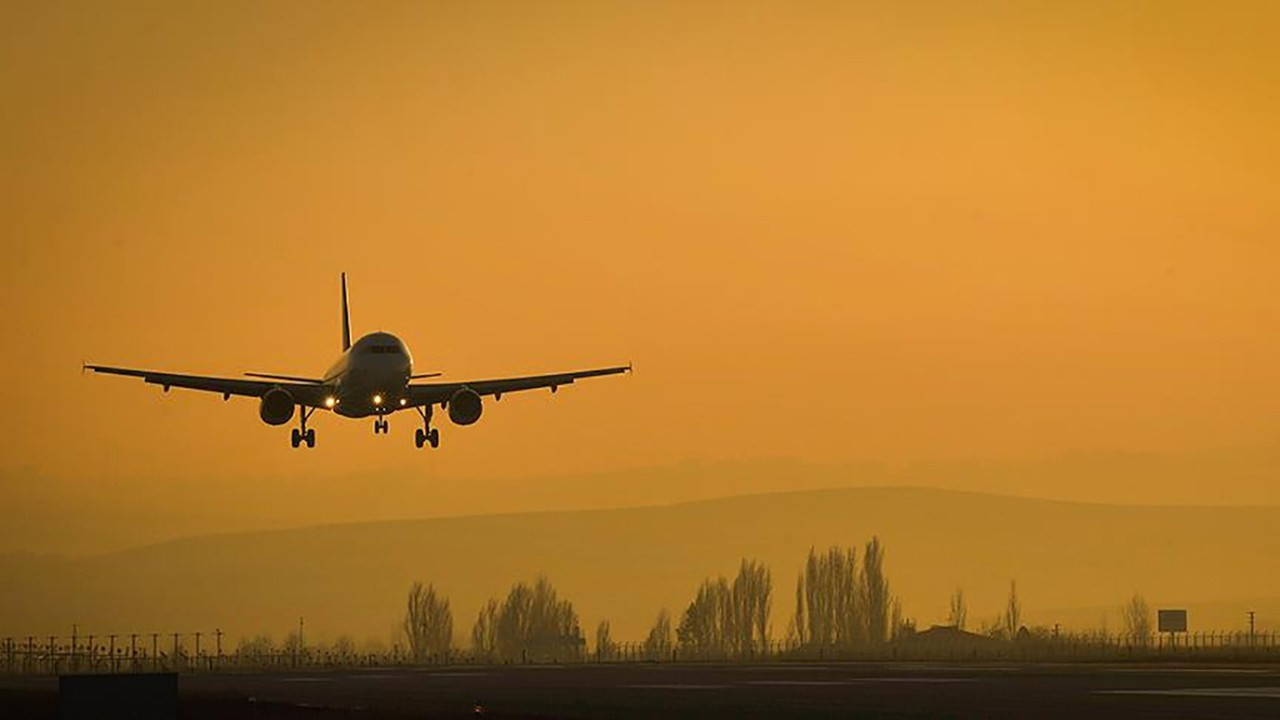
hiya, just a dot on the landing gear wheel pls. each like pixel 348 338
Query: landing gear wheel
pixel 380 426
pixel 426 433
pixel 302 434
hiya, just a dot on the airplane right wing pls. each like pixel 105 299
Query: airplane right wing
pixel 430 393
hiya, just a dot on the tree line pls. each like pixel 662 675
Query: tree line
pixel 843 599
pixel 839 601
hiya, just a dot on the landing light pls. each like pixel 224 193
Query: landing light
pixel 403 402
pixel 377 399
pixel 330 402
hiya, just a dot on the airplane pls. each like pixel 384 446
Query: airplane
pixel 372 377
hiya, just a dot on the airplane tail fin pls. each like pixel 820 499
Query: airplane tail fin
pixel 346 317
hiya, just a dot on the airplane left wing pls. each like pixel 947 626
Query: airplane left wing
pixel 308 394
pixel 430 393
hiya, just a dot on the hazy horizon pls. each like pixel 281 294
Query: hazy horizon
pixel 1070 561
pixel 106 520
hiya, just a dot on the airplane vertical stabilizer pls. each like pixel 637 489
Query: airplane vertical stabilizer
pixel 346 317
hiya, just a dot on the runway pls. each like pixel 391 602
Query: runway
pixel 785 690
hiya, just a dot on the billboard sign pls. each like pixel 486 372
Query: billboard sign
pixel 1172 621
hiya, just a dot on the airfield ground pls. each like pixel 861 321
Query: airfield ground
pixel 785 690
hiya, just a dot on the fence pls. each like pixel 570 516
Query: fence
pixel 194 653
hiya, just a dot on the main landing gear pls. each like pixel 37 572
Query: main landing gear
pixel 380 426
pixel 302 434
pixel 426 433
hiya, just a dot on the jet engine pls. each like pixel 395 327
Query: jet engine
pixel 465 407
pixel 276 407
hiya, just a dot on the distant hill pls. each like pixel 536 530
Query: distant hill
pixel 626 564
pixel 79 515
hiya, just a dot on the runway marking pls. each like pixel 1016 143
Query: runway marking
pixel 1259 692
pixel 799 682
pixel 861 681
pixel 920 679
pixel 676 687
pixel 1197 671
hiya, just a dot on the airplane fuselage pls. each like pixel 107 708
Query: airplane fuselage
pixel 371 377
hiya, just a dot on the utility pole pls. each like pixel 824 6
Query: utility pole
pixel 1252 613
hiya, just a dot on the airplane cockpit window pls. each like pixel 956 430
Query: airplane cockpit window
pixel 383 349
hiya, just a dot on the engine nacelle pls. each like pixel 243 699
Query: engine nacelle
pixel 465 407
pixel 276 407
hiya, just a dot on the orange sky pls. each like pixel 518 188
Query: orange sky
pixel 831 231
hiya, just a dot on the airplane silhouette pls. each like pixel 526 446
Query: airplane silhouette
pixel 373 376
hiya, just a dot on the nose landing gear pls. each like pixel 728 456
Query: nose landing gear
pixel 302 434
pixel 426 433
pixel 380 426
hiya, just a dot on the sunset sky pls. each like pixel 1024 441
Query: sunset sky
pixel 894 232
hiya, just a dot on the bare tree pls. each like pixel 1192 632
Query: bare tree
pixel 750 617
pixel 1137 619
pixel 533 623
pixel 828 603
pixel 798 629
pixel 876 599
pixel 604 641
pixel 428 622
pixel 657 644
pixel 1012 612
pixel 484 634
pixel 702 628
pixel 730 620
pixel 959 616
